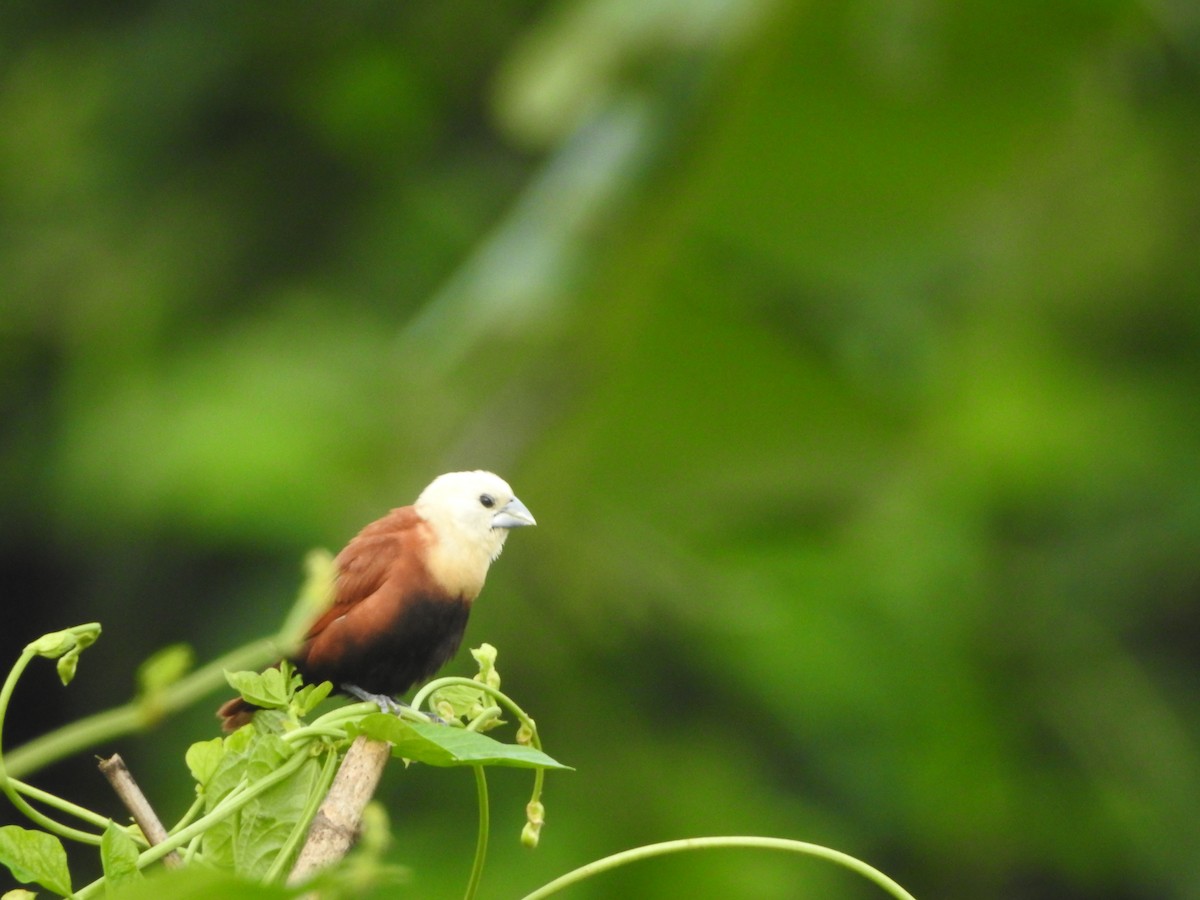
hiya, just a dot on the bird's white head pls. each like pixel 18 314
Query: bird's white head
pixel 471 514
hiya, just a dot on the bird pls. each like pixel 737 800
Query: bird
pixel 403 590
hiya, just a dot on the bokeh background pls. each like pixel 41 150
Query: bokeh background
pixel 847 353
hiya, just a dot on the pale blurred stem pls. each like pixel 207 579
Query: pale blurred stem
pixel 139 714
pixel 481 841
pixel 708 843
pixel 144 712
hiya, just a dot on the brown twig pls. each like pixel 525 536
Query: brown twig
pixel 335 826
pixel 119 776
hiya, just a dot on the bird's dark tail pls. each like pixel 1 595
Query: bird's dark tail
pixel 235 713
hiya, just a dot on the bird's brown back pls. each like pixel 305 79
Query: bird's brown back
pixel 390 623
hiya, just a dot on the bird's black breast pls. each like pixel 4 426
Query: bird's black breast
pixel 390 660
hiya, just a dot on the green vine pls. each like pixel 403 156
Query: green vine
pixel 269 775
pixel 259 789
pixel 709 843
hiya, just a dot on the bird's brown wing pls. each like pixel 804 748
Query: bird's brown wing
pixel 379 552
pixel 371 557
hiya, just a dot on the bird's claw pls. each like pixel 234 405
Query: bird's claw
pixel 385 703
pixel 388 704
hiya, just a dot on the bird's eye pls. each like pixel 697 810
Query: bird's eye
pixel 487 500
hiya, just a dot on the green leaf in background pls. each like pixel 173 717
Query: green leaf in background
pixel 18 894
pixel 37 857
pixel 200 883
pixel 316 594
pixel 441 745
pixel 164 668
pixel 118 856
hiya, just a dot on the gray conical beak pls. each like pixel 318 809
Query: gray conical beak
pixel 513 514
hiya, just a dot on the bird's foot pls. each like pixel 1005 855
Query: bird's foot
pixel 383 701
pixel 388 704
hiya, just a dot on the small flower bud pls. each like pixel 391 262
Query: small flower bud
pixel 535 814
pixel 529 836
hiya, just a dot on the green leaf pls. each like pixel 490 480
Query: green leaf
pixel 202 759
pixel 231 767
pixel 118 856
pixel 66 666
pixel 65 646
pixel 441 745
pixel 308 697
pixel 164 668
pixel 263 689
pixel 201 883
pixel 457 701
pixel 485 654
pixel 18 894
pixel 264 824
pixel 248 840
pixel 34 856
pixel 55 644
pixel 275 685
pixel 271 689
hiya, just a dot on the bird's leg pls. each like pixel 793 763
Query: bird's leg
pixel 383 701
pixel 387 704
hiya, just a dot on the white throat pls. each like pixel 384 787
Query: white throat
pixel 458 556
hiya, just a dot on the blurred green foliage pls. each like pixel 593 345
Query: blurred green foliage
pixel 847 353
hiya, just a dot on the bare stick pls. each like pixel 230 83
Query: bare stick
pixel 118 775
pixel 335 826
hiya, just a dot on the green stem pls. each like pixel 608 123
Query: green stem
pixel 232 802
pixel 139 713
pixel 492 712
pixel 59 803
pixel 143 712
pixel 331 724
pixel 482 840
pixel 423 694
pixel 651 850
pixel 539 775
pixel 8 785
pixel 300 830
pixel 190 850
pixel 192 812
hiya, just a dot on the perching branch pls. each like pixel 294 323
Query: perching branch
pixel 335 827
pixel 119 776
